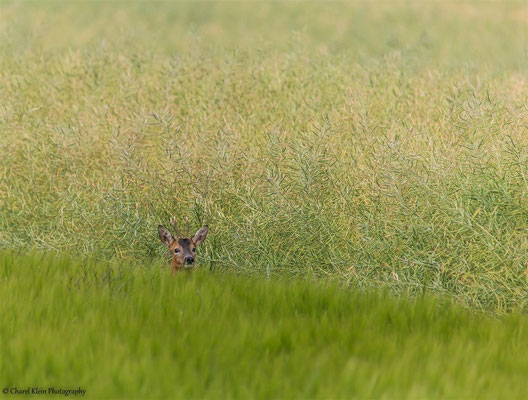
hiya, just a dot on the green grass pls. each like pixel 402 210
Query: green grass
pixel 121 330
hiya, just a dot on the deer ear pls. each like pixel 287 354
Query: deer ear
pixel 164 235
pixel 200 235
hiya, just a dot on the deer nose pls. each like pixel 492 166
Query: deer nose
pixel 189 260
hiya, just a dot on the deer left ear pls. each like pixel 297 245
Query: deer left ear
pixel 165 235
pixel 200 235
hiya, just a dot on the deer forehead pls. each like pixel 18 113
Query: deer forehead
pixel 183 243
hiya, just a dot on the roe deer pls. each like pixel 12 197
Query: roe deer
pixel 182 248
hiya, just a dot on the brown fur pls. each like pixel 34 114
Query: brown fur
pixel 182 249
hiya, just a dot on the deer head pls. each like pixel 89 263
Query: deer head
pixel 182 248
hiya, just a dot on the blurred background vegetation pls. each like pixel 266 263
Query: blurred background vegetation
pixel 379 143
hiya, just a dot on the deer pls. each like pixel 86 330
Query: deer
pixel 182 248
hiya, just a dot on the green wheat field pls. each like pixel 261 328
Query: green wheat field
pixel 362 165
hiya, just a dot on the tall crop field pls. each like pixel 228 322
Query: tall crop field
pixel 382 144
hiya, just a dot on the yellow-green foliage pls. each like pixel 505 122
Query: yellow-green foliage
pixel 380 143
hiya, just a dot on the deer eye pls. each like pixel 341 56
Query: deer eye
pixel 193 249
pixel 176 251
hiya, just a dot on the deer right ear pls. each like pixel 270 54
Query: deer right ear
pixel 164 235
pixel 200 235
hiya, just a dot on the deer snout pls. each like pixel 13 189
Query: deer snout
pixel 189 260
